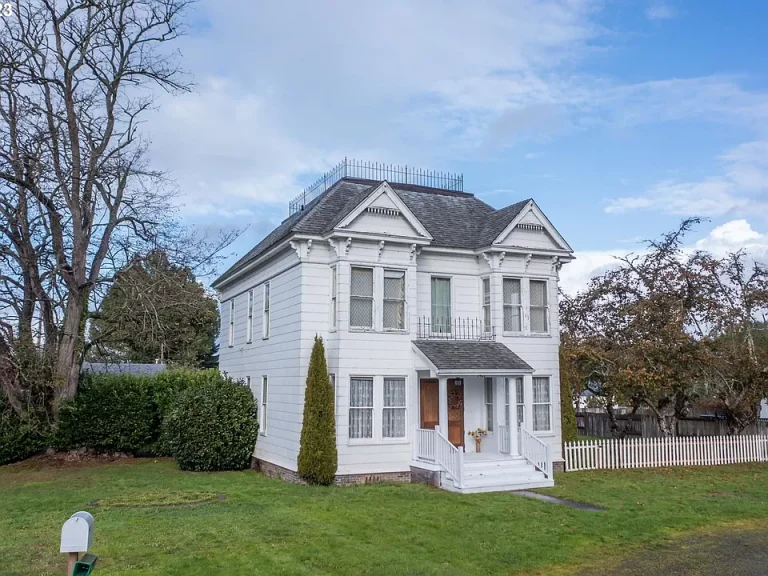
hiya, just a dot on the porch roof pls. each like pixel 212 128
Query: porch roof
pixel 457 357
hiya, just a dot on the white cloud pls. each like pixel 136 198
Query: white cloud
pixel 742 189
pixel 728 237
pixel 660 11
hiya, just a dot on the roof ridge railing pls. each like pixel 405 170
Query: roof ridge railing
pixel 350 168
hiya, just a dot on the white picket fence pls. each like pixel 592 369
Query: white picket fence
pixel 660 452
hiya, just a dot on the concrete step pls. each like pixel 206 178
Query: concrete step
pixel 500 472
pixel 495 465
pixel 527 478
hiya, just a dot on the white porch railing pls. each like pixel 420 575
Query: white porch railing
pixel 535 451
pixel 505 440
pixel 432 446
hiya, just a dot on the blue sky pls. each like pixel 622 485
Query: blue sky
pixel 619 118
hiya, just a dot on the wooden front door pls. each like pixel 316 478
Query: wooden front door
pixel 429 403
pixel 456 412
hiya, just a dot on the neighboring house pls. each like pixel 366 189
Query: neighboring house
pixel 439 316
pixel 764 410
pixel 133 368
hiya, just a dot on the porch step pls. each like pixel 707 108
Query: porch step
pixel 498 476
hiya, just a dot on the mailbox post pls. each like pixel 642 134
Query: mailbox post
pixel 76 537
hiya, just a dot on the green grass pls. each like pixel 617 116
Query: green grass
pixel 264 526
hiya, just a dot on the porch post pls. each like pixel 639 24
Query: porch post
pixel 443 405
pixel 513 423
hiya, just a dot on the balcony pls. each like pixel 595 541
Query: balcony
pixel 453 329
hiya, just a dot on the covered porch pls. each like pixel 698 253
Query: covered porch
pixel 466 386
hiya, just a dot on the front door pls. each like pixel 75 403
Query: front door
pixel 456 412
pixel 429 403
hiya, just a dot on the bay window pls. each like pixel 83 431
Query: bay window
pixel 539 307
pixel 487 304
pixel 361 298
pixel 542 405
pixel 513 305
pixel 441 305
pixel 394 300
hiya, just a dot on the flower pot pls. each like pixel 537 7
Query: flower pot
pixel 478 441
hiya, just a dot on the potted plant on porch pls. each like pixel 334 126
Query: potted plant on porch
pixel 478 435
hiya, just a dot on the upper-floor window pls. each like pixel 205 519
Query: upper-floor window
pixel 539 306
pixel 232 322
pixel 266 320
pixel 394 300
pixel 249 330
pixel 513 305
pixel 334 286
pixel 487 304
pixel 441 305
pixel 361 298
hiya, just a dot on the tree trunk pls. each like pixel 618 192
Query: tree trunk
pixel 67 364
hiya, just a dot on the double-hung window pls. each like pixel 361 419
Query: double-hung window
pixel 394 300
pixel 513 305
pixel 361 298
pixel 361 408
pixel 520 399
pixel 487 304
pixel 539 307
pixel 265 323
pixel 489 404
pixel 263 411
pixel 441 305
pixel 334 287
pixel 249 330
pixel 232 322
pixel 542 405
pixel 506 402
pixel 393 411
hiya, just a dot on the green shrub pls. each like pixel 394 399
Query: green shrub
pixel 213 426
pixel 124 413
pixel 20 438
pixel 318 458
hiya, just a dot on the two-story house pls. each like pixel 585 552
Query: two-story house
pixel 439 315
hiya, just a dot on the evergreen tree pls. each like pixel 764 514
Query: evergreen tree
pixel 318 458
pixel 567 412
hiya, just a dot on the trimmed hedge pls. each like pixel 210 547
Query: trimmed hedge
pixel 213 426
pixel 124 413
pixel 19 439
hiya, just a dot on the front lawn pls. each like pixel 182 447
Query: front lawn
pixel 153 519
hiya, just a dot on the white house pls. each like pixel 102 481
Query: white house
pixel 439 316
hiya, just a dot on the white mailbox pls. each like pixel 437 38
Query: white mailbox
pixel 77 533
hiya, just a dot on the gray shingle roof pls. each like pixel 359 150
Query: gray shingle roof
pixel 458 355
pixel 453 219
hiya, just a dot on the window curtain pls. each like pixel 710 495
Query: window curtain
pixel 394 408
pixel 361 408
pixel 541 405
pixel 394 299
pixel 441 305
pixel 361 298
pixel 538 306
pixel 512 307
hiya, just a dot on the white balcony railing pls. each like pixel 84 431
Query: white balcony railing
pixel 505 440
pixel 535 451
pixel 453 329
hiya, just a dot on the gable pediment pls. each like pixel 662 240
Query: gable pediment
pixel 532 229
pixel 383 213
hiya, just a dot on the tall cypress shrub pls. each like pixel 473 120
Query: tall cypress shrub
pixel 318 458
pixel 567 412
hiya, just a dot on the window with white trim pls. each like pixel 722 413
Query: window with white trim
pixel 334 286
pixel 394 409
pixel 513 306
pixel 489 404
pixel 361 298
pixel 487 304
pixel 506 402
pixel 393 309
pixel 542 405
pixel 361 408
pixel 539 307
pixel 520 399
pixel 232 322
pixel 249 330
pixel 441 305
pixel 266 318
pixel 263 411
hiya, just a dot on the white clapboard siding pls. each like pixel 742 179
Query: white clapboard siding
pixel 662 452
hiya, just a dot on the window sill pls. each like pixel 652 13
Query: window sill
pixel 395 331
pixel 265 337
pixel 374 442
pixel 526 334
